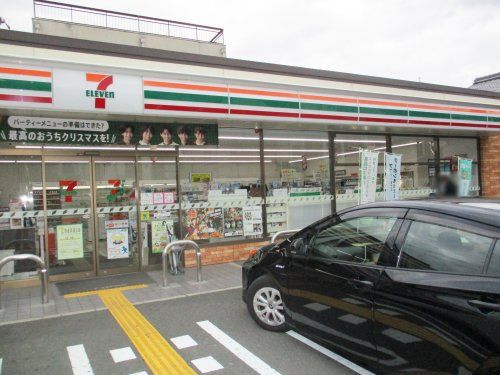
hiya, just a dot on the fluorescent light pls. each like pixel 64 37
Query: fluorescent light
pixel 199 149
pixel 300 139
pixel 357 141
pixel 406 144
pixel 315 158
pixel 222 161
pixel 89 148
pixel 239 156
pixel 157 161
pixel 29 147
pixel 115 161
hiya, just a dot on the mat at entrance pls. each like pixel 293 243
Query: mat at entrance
pixel 105 282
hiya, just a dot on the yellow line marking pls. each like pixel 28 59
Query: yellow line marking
pixel 94 292
pixel 158 354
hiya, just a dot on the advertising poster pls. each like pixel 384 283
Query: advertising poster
pixel 464 176
pixel 368 177
pixel 117 243
pixel 233 222
pixel 252 220
pixel 203 223
pixel 392 176
pixel 200 177
pixel 62 131
pixel 69 241
pixel 162 233
pixel 117 240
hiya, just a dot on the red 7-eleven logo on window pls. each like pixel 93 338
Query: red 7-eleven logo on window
pixel 101 92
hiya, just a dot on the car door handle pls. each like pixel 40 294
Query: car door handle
pixel 485 306
pixel 358 283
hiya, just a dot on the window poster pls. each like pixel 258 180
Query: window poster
pixel 162 233
pixel 203 223
pixel 233 221
pixel 69 241
pixel 117 239
pixel 392 176
pixel 252 220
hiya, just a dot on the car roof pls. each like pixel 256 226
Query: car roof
pixel 486 212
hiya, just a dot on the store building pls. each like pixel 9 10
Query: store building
pixel 91 180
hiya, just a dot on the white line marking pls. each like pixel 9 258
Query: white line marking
pixel 123 354
pixel 140 373
pixel 238 350
pixel 354 367
pixel 79 360
pixel 1 360
pixel 183 342
pixel 207 364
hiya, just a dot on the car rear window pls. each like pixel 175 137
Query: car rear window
pixel 441 248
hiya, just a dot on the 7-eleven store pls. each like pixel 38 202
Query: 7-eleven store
pixel 286 150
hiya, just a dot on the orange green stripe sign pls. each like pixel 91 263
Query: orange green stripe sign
pixel 248 102
pixel 25 85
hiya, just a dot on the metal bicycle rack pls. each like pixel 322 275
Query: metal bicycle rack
pixel 44 276
pixel 283 233
pixel 169 248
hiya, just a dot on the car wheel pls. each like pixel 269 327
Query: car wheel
pixel 265 304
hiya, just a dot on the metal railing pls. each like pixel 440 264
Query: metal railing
pixel 44 276
pixel 283 233
pixel 170 247
pixel 52 10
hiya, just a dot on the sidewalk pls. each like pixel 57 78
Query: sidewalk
pixel 24 304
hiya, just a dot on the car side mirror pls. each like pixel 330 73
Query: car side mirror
pixel 299 246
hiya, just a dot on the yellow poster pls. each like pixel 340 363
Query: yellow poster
pixel 69 241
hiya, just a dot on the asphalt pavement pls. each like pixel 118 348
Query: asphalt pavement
pixel 212 332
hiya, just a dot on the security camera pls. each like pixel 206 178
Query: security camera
pixel 257 130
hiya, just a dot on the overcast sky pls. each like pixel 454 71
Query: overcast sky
pixel 448 42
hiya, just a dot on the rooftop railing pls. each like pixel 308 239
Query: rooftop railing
pixel 52 10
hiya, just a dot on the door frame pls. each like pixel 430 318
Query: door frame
pixel 66 152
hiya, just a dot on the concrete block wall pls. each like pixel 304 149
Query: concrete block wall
pixel 490 166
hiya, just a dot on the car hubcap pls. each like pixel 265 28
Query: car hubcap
pixel 268 306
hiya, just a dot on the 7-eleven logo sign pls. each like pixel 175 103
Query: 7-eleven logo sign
pixel 101 93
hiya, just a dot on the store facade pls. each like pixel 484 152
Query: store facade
pixel 109 153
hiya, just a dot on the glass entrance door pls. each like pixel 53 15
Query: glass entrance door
pixel 70 215
pixel 116 214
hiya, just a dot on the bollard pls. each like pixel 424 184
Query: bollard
pixel 282 234
pixel 169 248
pixel 44 276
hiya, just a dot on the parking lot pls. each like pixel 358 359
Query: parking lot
pixel 211 332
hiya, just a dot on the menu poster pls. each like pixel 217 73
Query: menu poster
pixel 252 220
pixel 162 233
pixel 69 241
pixel 146 198
pixel 168 197
pixel 233 222
pixel 203 223
pixel 158 198
pixel 117 243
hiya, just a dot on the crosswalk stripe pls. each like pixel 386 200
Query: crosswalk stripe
pixel 354 367
pixel 79 360
pixel 237 349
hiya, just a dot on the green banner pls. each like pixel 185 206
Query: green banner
pixel 42 130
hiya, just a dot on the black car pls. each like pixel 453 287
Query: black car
pixel 407 286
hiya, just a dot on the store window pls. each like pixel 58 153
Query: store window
pixel 21 214
pixel 159 206
pixel 347 164
pixel 418 175
pixel 450 150
pixel 221 188
pixel 297 178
